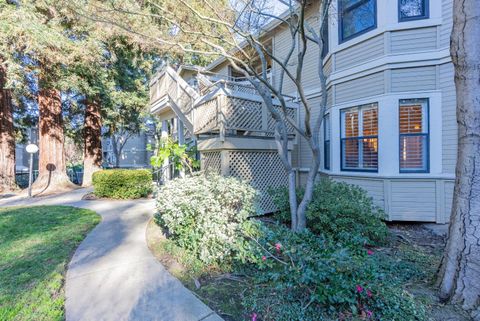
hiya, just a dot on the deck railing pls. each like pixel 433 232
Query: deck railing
pixel 237 113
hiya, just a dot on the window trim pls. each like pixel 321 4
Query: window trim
pixel 427 135
pixel 325 166
pixel 426 15
pixel 341 38
pixel 368 170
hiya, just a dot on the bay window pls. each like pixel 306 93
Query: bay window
pixel 412 9
pixel 414 136
pixel 359 138
pixel 356 17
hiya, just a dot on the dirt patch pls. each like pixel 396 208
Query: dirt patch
pixel 420 240
pixel 155 240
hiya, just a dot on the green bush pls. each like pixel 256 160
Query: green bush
pixel 206 215
pixel 303 276
pixel 340 211
pixel 122 183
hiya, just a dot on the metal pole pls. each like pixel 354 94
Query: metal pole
pixel 30 176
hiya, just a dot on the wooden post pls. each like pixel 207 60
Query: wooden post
pixel 180 133
pixel 225 163
pixel 221 102
pixel 164 135
pixel 264 118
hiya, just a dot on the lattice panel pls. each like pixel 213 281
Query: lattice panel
pixel 263 170
pixel 211 162
pixel 290 112
pixel 243 114
pixel 243 88
pixel 206 117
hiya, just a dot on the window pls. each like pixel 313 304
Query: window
pixel 359 140
pixel 326 142
pixel 412 9
pixel 356 17
pixel 325 38
pixel 414 137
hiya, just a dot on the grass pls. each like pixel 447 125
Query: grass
pixel 36 244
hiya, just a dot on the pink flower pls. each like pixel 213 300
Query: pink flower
pixel 369 252
pixel 359 288
pixel 264 258
pixel 369 313
pixel 278 246
pixel 254 317
pixel 369 293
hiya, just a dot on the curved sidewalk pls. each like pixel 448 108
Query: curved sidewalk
pixel 112 275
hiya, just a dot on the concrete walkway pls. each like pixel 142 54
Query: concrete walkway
pixel 113 276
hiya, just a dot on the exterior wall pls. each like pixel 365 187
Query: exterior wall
pixel 397 60
pixel 134 154
pixel 221 70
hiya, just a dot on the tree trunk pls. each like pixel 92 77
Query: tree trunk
pixel 92 161
pixel 52 176
pixel 115 150
pixel 307 197
pixel 7 136
pixel 459 275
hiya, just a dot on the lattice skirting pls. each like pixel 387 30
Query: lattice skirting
pixel 262 169
pixel 211 162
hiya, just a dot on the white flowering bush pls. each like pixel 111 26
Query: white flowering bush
pixel 206 214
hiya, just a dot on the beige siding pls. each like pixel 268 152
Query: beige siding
pixel 374 188
pixel 413 40
pixel 282 44
pixel 414 79
pixel 304 153
pixel 359 53
pixel 329 97
pixel 327 67
pixel 310 68
pixel 449 185
pixel 446 27
pixel 222 69
pixel 311 59
pixel 449 123
pixel 367 86
pixel 413 201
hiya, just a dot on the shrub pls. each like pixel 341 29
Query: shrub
pixel 340 211
pixel 303 276
pixel 206 215
pixel 122 183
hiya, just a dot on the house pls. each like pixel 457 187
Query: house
pixel 390 126
pixel 134 154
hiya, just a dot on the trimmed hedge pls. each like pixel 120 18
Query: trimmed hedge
pixel 122 183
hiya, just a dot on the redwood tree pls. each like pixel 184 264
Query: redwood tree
pixel 460 270
pixel 7 136
pixel 52 170
pixel 92 132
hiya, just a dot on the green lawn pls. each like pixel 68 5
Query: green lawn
pixel 36 244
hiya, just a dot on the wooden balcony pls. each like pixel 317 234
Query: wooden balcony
pixel 236 110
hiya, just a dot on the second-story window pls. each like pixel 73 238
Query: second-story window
pixel 326 142
pixel 412 9
pixel 356 17
pixel 359 140
pixel 325 37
